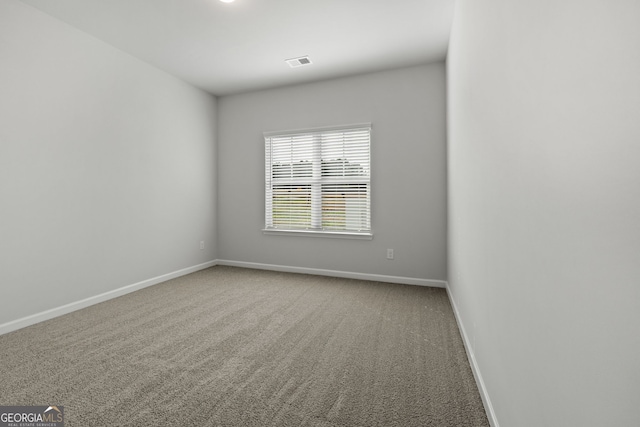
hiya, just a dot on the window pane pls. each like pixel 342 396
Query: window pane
pixel 345 206
pixel 291 206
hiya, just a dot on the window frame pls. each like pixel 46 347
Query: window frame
pixel 312 133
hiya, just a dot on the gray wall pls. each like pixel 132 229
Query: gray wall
pixel 544 203
pixel 107 170
pixel 407 110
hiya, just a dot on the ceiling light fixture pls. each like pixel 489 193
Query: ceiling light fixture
pixel 226 1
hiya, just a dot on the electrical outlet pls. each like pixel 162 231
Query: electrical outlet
pixel 389 253
pixel 202 244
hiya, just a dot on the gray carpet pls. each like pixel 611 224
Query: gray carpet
pixel 236 347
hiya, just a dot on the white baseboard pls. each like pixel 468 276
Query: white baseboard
pixel 486 400
pixel 68 308
pixel 77 305
pixel 336 273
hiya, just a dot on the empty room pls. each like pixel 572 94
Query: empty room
pixel 305 213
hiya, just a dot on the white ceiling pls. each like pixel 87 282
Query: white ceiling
pixel 227 48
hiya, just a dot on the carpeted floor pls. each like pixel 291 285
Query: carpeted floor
pixel 236 347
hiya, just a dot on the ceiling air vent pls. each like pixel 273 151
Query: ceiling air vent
pixel 298 62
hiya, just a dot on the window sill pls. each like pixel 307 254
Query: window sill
pixel 325 234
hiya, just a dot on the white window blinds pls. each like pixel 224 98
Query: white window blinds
pixel 319 180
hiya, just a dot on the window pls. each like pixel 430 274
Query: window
pixel 318 181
